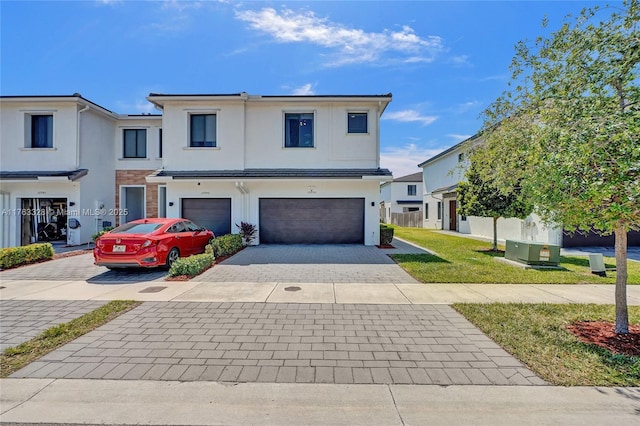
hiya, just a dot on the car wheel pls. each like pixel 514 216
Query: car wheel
pixel 173 254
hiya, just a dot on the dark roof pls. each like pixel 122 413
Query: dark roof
pixel 275 173
pixel 34 175
pixel 445 189
pixel 415 177
pixel 448 150
pixel 268 96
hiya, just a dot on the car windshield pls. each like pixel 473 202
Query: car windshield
pixel 136 228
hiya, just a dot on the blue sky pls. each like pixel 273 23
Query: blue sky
pixel 444 62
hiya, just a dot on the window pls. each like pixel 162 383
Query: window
pixel 426 211
pixel 159 143
pixel 203 130
pixel 41 131
pixel 298 130
pixel 135 143
pixel 412 189
pixel 461 157
pixel 357 122
pixel 439 210
pixel 410 209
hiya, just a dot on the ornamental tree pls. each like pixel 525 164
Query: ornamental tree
pixel 571 115
pixel 479 195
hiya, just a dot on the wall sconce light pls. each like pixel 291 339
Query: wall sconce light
pixel 373 204
pixel 72 203
pixel 170 203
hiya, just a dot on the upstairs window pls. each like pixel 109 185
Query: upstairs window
pixel 135 143
pixel 203 130
pixel 159 143
pixel 41 131
pixel 298 130
pixel 412 190
pixel 357 122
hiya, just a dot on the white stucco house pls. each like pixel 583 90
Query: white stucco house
pixel 441 174
pixel 304 169
pixel 401 195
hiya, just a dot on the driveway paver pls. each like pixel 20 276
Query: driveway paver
pixel 310 264
pixel 22 320
pixel 286 343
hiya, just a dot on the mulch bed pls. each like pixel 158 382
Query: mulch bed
pixel 602 333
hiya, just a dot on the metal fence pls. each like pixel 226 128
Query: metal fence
pixel 409 220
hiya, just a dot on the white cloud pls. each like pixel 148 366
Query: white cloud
pixel 136 107
pixel 306 89
pixel 458 137
pixel 109 2
pixel 180 5
pixel 350 45
pixel 404 160
pixel 410 115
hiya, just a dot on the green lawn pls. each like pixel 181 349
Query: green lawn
pixel 536 335
pixel 464 260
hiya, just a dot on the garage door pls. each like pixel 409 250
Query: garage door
pixel 311 221
pixel 212 213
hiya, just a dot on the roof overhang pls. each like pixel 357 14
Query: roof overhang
pixel 451 189
pixel 378 175
pixel 43 176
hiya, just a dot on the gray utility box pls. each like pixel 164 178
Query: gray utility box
pixel 533 253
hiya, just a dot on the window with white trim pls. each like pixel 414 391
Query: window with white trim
pixel 298 130
pixel 134 143
pixel 357 122
pixel 202 130
pixel 41 131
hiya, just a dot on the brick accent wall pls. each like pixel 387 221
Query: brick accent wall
pixel 137 177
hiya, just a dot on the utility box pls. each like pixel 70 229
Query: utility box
pixel 533 253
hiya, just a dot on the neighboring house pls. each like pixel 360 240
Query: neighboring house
pixel 441 176
pixel 402 195
pixel 304 169
pixel 56 169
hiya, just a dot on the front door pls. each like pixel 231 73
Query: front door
pixel 453 216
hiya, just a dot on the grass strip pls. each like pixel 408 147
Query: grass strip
pixel 465 260
pixel 536 335
pixel 13 359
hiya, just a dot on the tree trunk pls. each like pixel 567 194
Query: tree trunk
pixel 495 234
pixel 622 313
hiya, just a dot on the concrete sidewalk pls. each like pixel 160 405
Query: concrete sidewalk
pixel 208 403
pixel 302 292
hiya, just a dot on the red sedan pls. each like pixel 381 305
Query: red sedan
pixel 150 242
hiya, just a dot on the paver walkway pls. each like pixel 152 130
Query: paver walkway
pixel 290 343
pixel 22 320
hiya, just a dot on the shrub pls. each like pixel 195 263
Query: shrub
pixel 101 233
pixel 192 265
pixel 386 234
pixel 247 232
pixel 23 255
pixel 226 245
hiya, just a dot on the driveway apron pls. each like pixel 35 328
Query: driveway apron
pixel 309 264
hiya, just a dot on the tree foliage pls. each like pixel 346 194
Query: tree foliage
pixel 571 118
pixel 480 195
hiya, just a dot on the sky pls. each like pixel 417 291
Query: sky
pixel 443 61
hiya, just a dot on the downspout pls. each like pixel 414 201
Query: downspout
pixel 86 108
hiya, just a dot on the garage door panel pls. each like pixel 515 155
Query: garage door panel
pixel 311 220
pixel 212 213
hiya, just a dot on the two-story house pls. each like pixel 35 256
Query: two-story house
pixel 401 195
pixel 441 174
pixel 304 169
pixel 56 168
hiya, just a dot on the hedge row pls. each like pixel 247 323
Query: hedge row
pixel 192 265
pixel 23 255
pixel 386 234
